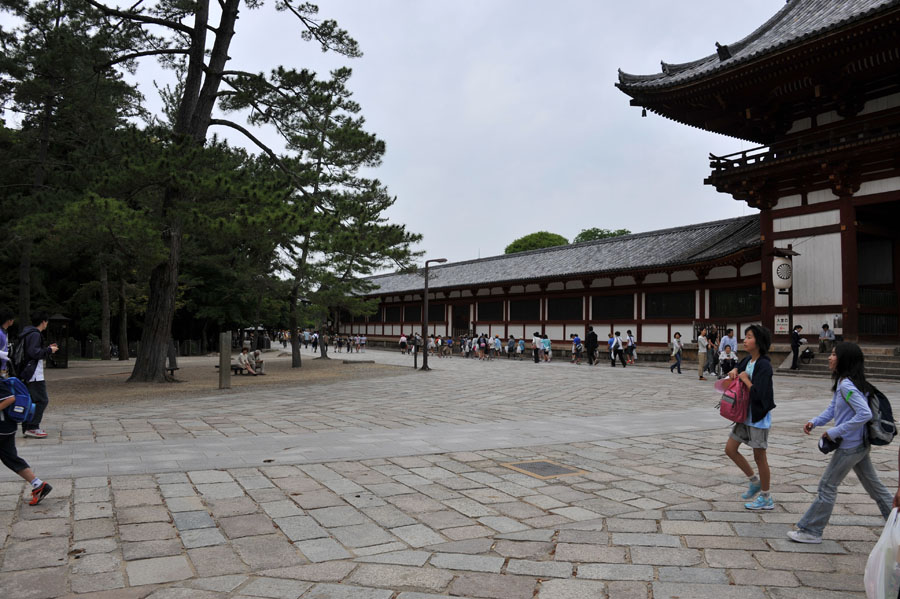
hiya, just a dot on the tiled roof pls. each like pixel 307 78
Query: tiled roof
pixel 692 244
pixel 797 21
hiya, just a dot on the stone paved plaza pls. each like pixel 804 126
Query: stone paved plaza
pixel 398 487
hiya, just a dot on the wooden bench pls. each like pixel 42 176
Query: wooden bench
pixel 235 369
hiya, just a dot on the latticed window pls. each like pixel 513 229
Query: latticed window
pixel 677 304
pixel 436 312
pixel 565 308
pixel 527 309
pixel 490 311
pixel 412 314
pixel 731 303
pixel 392 313
pixel 612 307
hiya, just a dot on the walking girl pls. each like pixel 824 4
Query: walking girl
pixel 677 346
pixel 850 410
pixel 755 372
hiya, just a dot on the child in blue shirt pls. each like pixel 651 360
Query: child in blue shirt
pixel 849 408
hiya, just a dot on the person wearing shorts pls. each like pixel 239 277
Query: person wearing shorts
pixel 755 372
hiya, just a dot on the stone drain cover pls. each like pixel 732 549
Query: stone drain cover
pixel 543 469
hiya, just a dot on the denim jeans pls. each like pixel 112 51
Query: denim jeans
pixel 677 363
pixel 816 517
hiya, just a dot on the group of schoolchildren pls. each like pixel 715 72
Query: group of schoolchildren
pixel 350 342
pixel 714 356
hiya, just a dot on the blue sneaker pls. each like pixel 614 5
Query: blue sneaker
pixel 761 503
pixel 752 491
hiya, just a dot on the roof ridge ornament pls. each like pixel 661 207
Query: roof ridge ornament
pixel 723 51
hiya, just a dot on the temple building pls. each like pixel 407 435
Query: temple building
pixel 654 284
pixel 818 88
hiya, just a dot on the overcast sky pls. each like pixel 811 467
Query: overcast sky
pixel 501 117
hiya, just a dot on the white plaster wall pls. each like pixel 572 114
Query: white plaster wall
pixel 806 221
pixel 706 301
pixel 517 289
pixel 623 327
pixel 826 118
pixel 454 294
pixel 883 103
pixel 554 331
pixel 602 282
pixel 530 329
pixel 556 286
pixel 496 291
pixel 817 271
pixel 683 275
pixel 879 186
pixel 654 333
pixel 789 201
pixel 722 272
pixel 753 268
pixel 656 277
pixel 620 281
pixel 574 285
pixel 517 330
pixel 822 195
pixel 812 325
pixel 800 125
pixel 532 288
pixel 643 313
pixel 466 293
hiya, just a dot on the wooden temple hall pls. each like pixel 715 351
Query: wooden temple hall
pixel 817 87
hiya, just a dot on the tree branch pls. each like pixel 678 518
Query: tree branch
pixel 266 149
pixel 140 54
pixel 133 16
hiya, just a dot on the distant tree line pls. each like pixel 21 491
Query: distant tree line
pixel 543 239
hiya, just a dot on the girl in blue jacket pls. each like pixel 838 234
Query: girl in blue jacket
pixel 849 408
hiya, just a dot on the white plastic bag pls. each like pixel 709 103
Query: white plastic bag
pixel 882 578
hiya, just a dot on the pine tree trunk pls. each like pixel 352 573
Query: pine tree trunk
pixel 105 339
pixel 25 284
pixel 150 365
pixel 123 322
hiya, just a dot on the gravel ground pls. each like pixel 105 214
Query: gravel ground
pixel 97 383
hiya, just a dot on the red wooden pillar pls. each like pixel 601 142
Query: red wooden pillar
pixel 849 266
pixel 767 307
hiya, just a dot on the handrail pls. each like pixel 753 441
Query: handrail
pixel 814 140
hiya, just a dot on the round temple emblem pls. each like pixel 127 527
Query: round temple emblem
pixel 783 271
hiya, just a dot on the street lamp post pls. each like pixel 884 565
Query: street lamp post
pixel 425 313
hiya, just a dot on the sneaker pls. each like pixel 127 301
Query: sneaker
pixel 37 433
pixel 751 492
pixel 801 536
pixel 761 503
pixel 38 494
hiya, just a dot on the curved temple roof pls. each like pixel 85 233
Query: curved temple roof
pixel 667 247
pixel 797 21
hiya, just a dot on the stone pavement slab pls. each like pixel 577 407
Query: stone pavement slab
pixel 410 499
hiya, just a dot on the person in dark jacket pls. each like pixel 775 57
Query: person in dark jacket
pixel 591 343
pixel 755 372
pixel 795 346
pixel 33 373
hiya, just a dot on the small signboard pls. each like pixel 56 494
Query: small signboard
pixel 781 324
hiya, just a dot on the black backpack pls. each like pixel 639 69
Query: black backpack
pixel 17 358
pixel 881 429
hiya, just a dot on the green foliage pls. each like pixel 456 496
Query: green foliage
pixel 594 233
pixel 535 241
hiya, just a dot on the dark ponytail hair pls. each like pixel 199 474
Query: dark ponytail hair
pixel 763 338
pixel 851 364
